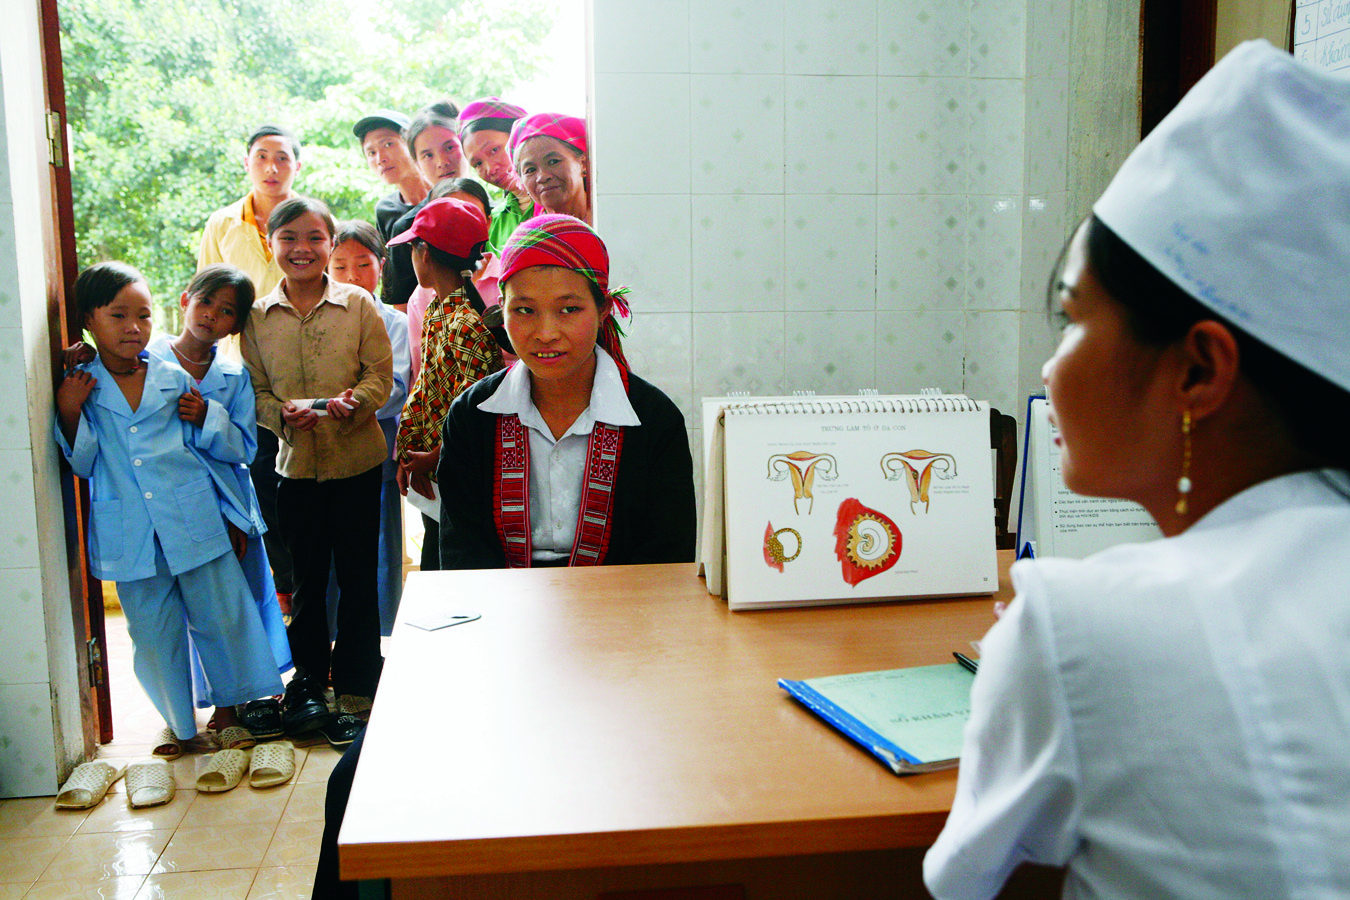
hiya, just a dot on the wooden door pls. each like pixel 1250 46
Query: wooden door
pixel 1177 47
pixel 57 223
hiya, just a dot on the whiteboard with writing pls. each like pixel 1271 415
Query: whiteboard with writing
pixel 1322 33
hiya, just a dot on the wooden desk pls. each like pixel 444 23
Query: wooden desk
pixel 618 729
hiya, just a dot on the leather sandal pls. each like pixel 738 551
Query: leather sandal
pixel 341 730
pixel 262 718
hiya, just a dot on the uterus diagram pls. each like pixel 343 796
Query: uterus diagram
pixel 802 467
pixel 918 467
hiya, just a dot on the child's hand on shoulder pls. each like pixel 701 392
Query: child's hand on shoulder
pixel 192 407
pixel 297 418
pixel 75 388
pixel 343 406
pixel 77 354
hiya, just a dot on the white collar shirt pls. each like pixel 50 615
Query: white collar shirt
pixel 557 466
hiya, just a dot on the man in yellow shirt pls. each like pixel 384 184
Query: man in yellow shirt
pixel 237 234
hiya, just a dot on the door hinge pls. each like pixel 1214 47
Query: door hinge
pixel 95 663
pixel 54 139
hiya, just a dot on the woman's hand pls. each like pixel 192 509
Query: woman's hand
pixel 192 407
pixel 421 463
pixel 414 471
pixel 344 405
pixel 297 418
pixel 422 484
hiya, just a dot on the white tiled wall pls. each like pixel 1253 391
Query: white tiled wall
pixel 40 725
pixel 834 194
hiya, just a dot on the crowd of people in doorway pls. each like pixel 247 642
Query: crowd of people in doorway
pixel 248 475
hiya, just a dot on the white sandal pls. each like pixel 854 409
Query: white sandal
pixel 87 784
pixel 149 784
pixel 224 771
pixel 273 765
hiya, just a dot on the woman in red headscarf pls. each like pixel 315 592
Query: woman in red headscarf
pixel 567 457
pixel 549 153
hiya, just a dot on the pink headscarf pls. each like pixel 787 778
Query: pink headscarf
pixel 568 129
pixel 487 108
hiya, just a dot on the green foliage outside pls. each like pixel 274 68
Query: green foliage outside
pixel 163 93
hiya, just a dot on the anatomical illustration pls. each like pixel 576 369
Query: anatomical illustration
pixel 866 542
pixel 803 467
pixel 774 554
pixel 918 467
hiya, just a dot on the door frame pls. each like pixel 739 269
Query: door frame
pixel 66 327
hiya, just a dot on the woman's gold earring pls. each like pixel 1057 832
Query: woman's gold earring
pixel 1184 482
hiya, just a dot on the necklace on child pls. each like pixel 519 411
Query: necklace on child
pixel 135 367
pixel 187 359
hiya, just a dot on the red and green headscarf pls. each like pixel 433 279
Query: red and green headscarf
pixel 569 243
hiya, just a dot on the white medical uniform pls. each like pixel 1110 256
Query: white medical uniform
pixel 1170 719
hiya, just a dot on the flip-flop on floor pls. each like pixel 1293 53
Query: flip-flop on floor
pixel 223 772
pixel 87 784
pixel 149 784
pixel 273 765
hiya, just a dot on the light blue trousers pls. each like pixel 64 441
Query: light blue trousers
pixel 258 574
pixel 214 605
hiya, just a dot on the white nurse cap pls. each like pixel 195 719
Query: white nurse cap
pixel 1241 196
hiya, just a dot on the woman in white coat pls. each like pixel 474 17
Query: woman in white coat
pixel 1173 719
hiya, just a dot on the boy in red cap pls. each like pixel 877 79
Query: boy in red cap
pixel 447 239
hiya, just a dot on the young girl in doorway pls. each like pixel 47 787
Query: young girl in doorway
pixel 216 305
pixel 314 339
pixel 158 525
pixel 447 239
pixel 358 259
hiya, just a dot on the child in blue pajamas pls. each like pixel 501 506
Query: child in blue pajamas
pixel 216 304
pixel 158 525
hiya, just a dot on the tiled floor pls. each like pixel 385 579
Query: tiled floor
pixel 242 845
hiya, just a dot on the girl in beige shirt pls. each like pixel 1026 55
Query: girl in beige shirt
pixel 312 339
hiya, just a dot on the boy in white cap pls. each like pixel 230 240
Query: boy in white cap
pixel 1172 719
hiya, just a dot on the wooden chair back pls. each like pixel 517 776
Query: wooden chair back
pixel 1003 441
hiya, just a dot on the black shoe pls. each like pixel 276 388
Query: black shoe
pixel 341 730
pixel 262 718
pixel 303 708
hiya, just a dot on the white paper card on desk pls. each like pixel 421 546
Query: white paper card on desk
pixel 1054 520
pixel 432 619
pixel 847 500
pixel 911 720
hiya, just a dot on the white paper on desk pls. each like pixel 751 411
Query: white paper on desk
pixel 430 508
pixel 432 619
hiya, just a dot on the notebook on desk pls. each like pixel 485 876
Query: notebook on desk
pixel 911 720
